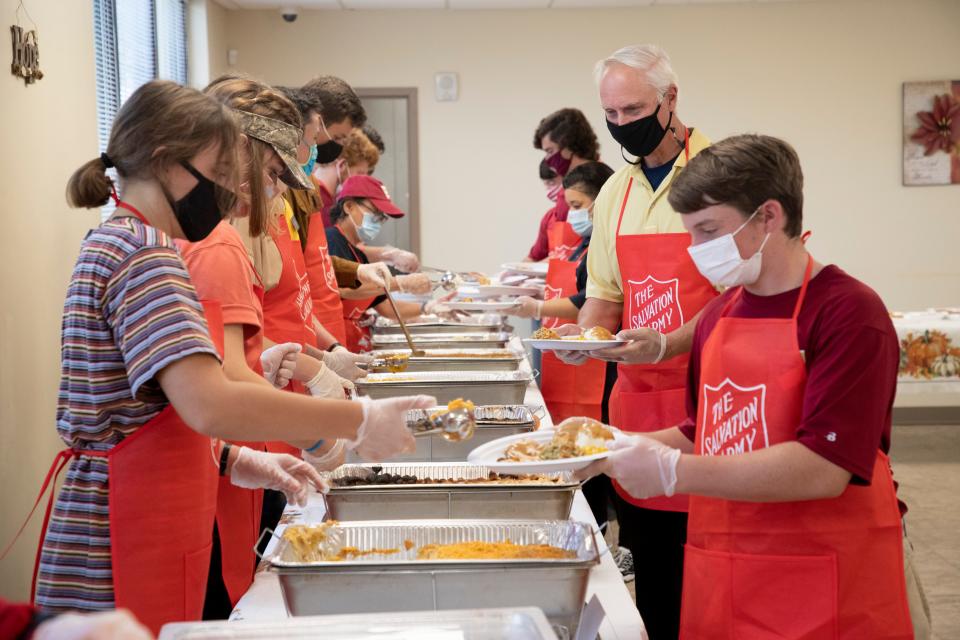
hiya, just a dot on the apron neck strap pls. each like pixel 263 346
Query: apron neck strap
pixel 623 205
pixel 350 246
pixel 132 209
pixel 686 143
pixel 803 287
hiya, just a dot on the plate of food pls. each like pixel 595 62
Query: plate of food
pixel 526 268
pixel 573 446
pixel 547 339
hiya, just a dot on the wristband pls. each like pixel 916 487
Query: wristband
pixel 224 456
pixel 663 348
pixel 316 446
pixel 333 346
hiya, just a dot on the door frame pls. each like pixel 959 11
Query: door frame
pixel 410 93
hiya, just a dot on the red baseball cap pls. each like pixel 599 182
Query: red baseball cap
pixel 373 190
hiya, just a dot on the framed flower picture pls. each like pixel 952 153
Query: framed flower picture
pixel 931 132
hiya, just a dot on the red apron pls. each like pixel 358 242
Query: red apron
pixel 358 337
pixel 806 570
pixel 162 502
pixel 238 509
pixel 288 308
pixel 562 240
pixel 662 289
pixel 569 390
pixel 327 306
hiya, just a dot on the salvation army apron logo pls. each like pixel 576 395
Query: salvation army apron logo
pixel 551 293
pixel 328 275
pixel 562 252
pixel 655 304
pixel 734 419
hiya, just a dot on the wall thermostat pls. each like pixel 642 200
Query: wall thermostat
pixel 446 86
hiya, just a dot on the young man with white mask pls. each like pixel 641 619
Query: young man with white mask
pixel 794 527
pixel 641 279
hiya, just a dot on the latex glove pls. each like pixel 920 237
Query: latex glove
pixel 329 460
pixel 526 307
pixel 644 467
pixel 415 283
pixel 278 471
pixel 278 363
pixel 570 357
pixel 344 362
pixel 438 307
pixel 327 384
pixel 93 626
pixel 376 273
pixel 405 261
pixel 647 346
pixel 383 432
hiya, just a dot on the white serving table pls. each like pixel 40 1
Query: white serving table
pixel 264 601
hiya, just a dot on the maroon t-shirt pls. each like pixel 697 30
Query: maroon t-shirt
pixel 852 355
pixel 541 248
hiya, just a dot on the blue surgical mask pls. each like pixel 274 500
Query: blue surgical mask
pixel 312 160
pixel 370 229
pixel 580 220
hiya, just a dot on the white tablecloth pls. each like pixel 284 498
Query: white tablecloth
pixel 264 600
pixel 929 357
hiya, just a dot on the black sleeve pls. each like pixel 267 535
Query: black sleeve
pixel 379 299
pixel 580 297
pixel 338 245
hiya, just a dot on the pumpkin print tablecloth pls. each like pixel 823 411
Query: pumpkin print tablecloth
pixel 929 345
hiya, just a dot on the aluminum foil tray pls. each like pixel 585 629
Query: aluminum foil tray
pixel 483 323
pixel 558 587
pixel 458 359
pixel 485 415
pixel 478 500
pixel 468 624
pixel 492 339
pixel 481 387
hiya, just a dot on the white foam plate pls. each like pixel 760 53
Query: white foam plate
pixel 527 268
pixel 573 345
pixel 479 305
pixel 488 455
pixel 494 290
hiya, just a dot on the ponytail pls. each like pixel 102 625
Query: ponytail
pixel 89 186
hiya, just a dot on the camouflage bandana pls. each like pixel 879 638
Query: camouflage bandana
pixel 283 138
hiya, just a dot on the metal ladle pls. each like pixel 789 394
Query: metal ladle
pixel 454 425
pixel 403 325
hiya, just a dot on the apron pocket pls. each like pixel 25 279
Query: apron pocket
pixel 196 568
pixel 762 597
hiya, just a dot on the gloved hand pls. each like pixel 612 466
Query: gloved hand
pixel 105 625
pixel 383 432
pixel 644 467
pixel 344 362
pixel 278 471
pixel 570 357
pixel 375 273
pixel 278 363
pixel 438 307
pixel 328 460
pixel 526 307
pixel 415 283
pixel 327 384
pixel 403 260
pixel 646 346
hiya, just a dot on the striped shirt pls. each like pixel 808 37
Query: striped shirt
pixel 130 311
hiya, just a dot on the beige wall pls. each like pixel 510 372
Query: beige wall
pixel 47 130
pixel 824 75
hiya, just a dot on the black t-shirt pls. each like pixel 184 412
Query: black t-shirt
pixel 339 246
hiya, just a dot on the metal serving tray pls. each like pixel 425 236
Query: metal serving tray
pixel 480 387
pixel 435 501
pixel 400 582
pixel 485 323
pixel 459 359
pixel 486 340
pixel 467 624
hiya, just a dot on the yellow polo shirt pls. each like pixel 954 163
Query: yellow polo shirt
pixel 647 211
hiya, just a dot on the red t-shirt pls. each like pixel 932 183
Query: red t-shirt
pixel 851 353
pixel 541 248
pixel 327 201
pixel 220 270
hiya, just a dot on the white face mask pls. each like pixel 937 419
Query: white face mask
pixel 580 220
pixel 719 259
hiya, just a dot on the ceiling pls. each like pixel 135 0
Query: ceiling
pixel 463 4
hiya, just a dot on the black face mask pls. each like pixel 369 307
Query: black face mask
pixel 328 152
pixel 642 136
pixel 199 212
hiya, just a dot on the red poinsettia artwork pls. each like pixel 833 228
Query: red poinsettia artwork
pixel 931 132
pixel 940 127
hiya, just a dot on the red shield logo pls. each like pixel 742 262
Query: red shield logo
pixel 550 293
pixel 655 304
pixel 733 418
pixel 329 276
pixel 562 252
